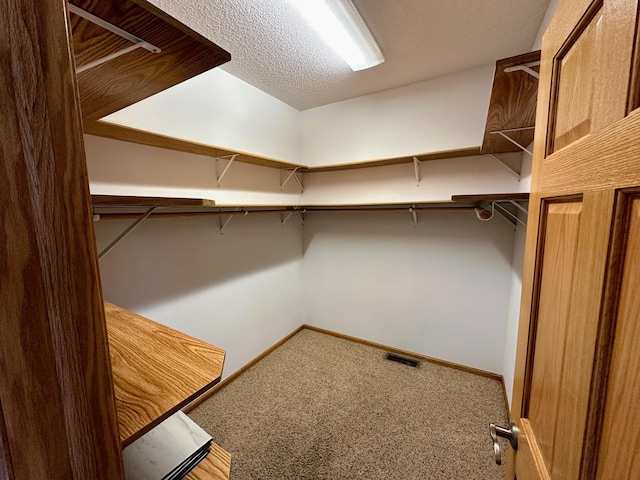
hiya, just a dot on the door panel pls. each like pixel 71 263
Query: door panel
pixel 620 441
pixel 576 367
pixel 561 223
pixel 576 75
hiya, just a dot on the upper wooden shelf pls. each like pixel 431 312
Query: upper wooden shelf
pixel 139 74
pixel 512 105
pixel 130 201
pixel 128 134
pixel 156 370
pixel 491 197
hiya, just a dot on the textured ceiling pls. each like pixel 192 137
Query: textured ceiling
pixel 274 50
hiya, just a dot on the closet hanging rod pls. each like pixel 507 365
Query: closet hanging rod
pixel 300 209
pixel 137 41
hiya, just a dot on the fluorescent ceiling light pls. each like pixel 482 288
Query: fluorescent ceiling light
pixel 342 28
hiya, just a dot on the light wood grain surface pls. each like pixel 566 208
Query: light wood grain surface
pixel 621 430
pixel 585 152
pixel 129 201
pixel 156 370
pixel 512 105
pixel 136 75
pixel 216 466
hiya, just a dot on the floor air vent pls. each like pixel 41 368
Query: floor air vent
pixel 404 360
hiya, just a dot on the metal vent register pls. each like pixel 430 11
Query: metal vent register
pixel 404 360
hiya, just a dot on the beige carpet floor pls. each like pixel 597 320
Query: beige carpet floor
pixel 320 407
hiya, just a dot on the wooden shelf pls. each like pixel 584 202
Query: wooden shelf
pixel 216 466
pixel 491 197
pixel 156 370
pixel 513 105
pixel 98 201
pixel 139 74
pixel 127 134
pixel 133 135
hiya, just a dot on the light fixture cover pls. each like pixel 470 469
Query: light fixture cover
pixel 342 28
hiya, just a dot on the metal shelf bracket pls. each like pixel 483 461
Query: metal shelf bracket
pixel 293 175
pixel 503 133
pixel 126 232
pixel 230 158
pixel 414 215
pixel 486 215
pixel 223 224
pixel 416 168
pixel 511 170
pixel 137 41
pixel 525 67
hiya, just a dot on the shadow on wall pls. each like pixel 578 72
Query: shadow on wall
pixel 172 257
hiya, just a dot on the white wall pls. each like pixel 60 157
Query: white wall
pixel 444 113
pixel 515 293
pixel 216 108
pixel 440 179
pixel 240 291
pixel 441 289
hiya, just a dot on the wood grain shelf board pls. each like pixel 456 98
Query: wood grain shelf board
pixel 513 105
pixel 128 134
pixel 101 201
pixel 138 74
pixel 491 197
pixel 156 370
pixel 424 157
pixel 215 466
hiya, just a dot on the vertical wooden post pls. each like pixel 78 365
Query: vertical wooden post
pixel 56 391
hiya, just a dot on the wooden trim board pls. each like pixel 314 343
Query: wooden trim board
pixel 380 346
pixel 215 466
pixel 444 363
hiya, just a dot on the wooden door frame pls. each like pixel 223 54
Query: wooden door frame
pixel 57 405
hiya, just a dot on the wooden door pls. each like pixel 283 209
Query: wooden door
pixel 577 387
pixel 57 407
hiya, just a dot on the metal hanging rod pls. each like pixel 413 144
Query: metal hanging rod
pixel 525 67
pixel 495 206
pixel 137 41
pixel 284 210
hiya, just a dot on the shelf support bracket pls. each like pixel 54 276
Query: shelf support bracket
pixel 301 216
pixel 416 168
pixel 503 133
pixel 525 67
pixel 506 213
pixel 230 158
pixel 414 215
pixel 515 173
pixel 126 232
pixel 293 175
pixel 137 41
pixel 284 220
pixel 224 224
